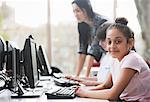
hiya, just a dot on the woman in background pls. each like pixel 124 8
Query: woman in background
pixel 88 22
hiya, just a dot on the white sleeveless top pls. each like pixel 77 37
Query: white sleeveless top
pixel 104 68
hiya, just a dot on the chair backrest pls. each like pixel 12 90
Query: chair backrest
pixel 96 64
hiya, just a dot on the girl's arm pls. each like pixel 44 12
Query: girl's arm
pixel 89 78
pixel 112 93
pixel 105 85
pixel 91 81
pixel 81 78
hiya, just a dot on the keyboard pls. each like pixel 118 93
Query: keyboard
pixel 62 93
pixel 65 82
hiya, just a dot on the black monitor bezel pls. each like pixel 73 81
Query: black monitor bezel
pixel 44 67
pixel 12 64
pixel 2 54
pixel 28 59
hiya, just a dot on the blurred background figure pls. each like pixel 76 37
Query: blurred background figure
pixel 88 22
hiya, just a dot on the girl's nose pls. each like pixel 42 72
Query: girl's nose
pixel 113 45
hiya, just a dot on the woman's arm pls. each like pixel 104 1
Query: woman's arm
pixel 90 64
pixel 112 93
pixel 83 29
pixel 81 61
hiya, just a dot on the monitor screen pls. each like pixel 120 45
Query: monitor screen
pixel 30 62
pixel 9 50
pixel 2 54
pixel 44 65
pixel 12 64
pixel 15 67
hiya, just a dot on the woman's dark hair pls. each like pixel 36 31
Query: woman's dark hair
pixel 86 5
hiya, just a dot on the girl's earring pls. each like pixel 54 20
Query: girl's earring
pixel 129 49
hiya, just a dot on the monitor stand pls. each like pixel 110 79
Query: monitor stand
pixel 22 93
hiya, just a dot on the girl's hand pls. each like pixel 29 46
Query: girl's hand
pixel 74 78
pixel 68 77
pixel 87 83
pixel 81 91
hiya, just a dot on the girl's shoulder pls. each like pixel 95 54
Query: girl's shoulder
pixel 133 56
pixel 133 60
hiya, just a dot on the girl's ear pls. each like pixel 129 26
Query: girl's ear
pixel 131 43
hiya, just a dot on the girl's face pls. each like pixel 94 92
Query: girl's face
pixel 117 44
pixel 80 15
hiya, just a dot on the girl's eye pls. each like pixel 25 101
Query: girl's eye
pixel 109 42
pixel 117 42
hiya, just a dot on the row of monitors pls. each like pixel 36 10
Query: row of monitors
pixel 27 62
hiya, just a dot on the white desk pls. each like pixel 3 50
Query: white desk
pixel 5 97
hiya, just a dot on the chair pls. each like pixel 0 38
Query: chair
pixel 148 62
pixel 94 68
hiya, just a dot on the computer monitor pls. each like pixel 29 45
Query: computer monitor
pixel 30 62
pixel 43 62
pixel 15 67
pixel 2 54
pixel 12 64
pixel 9 59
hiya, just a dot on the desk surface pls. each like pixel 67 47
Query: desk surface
pixel 5 97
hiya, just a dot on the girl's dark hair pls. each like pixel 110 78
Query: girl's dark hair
pixel 121 25
pixel 121 20
pixel 85 4
pixel 101 31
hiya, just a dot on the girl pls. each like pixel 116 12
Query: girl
pixel 129 72
pixel 104 67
